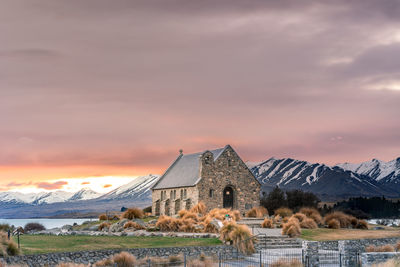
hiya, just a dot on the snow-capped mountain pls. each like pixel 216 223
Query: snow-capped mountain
pixel 84 194
pixel 138 188
pixel 383 172
pixel 52 197
pixel 318 178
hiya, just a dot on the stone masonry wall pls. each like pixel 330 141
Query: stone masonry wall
pixel 192 194
pixel 90 257
pixel 227 170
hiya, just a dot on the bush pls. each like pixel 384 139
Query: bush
pixel 124 259
pixel 225 232
pixel 286 263
pixel 313 214
pixel 199 208
pixel 7 247
pixel 308 223
pixel 133 213
pixel 190 215
pixel 105 262
pixel 166 223
pixel 333 224
pixel 5 227
pixel 292 228
pixel 267 223
pixel 344 219
pixel 257 212
pixel 34 227
pixel 283 212
pixel 208 226
pixel 104 225
pixel 397 247
pixel 300 216
pixel 147 209
pixel 187 225
pixel 385 248
pixel 362 225
pixel 241 237
pixel 103 217
pixel 389 263
pixel 175 259
pixel 133 225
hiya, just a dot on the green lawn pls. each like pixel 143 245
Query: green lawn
pixel 323 234
pixel 37 244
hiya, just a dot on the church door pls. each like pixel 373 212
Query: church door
pixel 228 197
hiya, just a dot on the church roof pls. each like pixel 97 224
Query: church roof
pixel 185 171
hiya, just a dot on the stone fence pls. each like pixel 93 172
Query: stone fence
pixel 370 258
pixel 90 257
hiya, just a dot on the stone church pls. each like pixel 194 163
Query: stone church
pixel 219 178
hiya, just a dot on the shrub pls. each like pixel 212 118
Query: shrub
pixel 133 213
pixel 333 224
pixel 103 217
pixel 283 212
pixel 124 259
pixel 133 225
pixel 362 225
pixel 166 223
pixel 344 219
pixel 191 215
pixel 175 259
pixel 257 212
pixel 104 225
pixel 300 216
pixel 105 262
pixel 241 237
pixel 397 246
pixel 34 227
pixel 385 248
pixel 313 214
pixel 187 225
pixel 208 226
pixel 147 209
pixel 286 263
pixel 225 232
pixel 5 227
pixel 267 223
pixel 199 208
pixel 7 247
pixel 292 227
pixel 200 263
pixel 389 263
pixel 277 219
pixel 308 223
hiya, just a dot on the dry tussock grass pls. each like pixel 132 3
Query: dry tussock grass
pixel 333 224
pixel 124 259
pixel 362 225
pixel 267 223
pixel 133 225
pixel 308 223
pixel 300 216
pixel 346 221
pixel 241 238
pixel 385 248
pixel 133 213
pixel 257 212
pixel 292 227
pixel 199 208
pixel 313 214
pixel 286 263
pixel 7 247
pixel 104 225
pixel 283 212
pixel 103 217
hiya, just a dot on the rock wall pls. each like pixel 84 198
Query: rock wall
pixel 370 258
pixel 89 257
pixel 227 170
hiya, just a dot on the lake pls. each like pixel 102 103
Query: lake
pixel 48 223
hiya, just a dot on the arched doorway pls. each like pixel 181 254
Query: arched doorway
pixel 228 197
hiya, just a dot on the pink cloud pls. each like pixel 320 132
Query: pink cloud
pixel 51 186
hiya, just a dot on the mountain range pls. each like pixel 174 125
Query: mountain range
pixel 371 178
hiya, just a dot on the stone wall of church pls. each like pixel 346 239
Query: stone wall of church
pixel 175 199
pixel 227 170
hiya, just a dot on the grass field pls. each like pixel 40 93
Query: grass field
pixel 37 244
pixel 323 234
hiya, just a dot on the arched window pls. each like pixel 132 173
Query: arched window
pixel 181 193
pixel 211 193
pixel 184 193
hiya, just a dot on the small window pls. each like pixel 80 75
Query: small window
pixel 184 193
pixel 211 192
pixel 181 193
pixel 171 194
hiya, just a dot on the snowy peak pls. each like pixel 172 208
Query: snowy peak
pixel 319 178
pixel 84 194
pixel 139 187
pixel 52 197
pixel 376 169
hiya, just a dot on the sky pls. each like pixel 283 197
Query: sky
pixel 101 90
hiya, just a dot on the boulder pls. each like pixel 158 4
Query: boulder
pixel 116 227
pixel 217 223
pixel 140 222
pixel 66 228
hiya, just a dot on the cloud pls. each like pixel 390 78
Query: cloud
pixel 85 183
pixel 51 186
pixel 107 185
